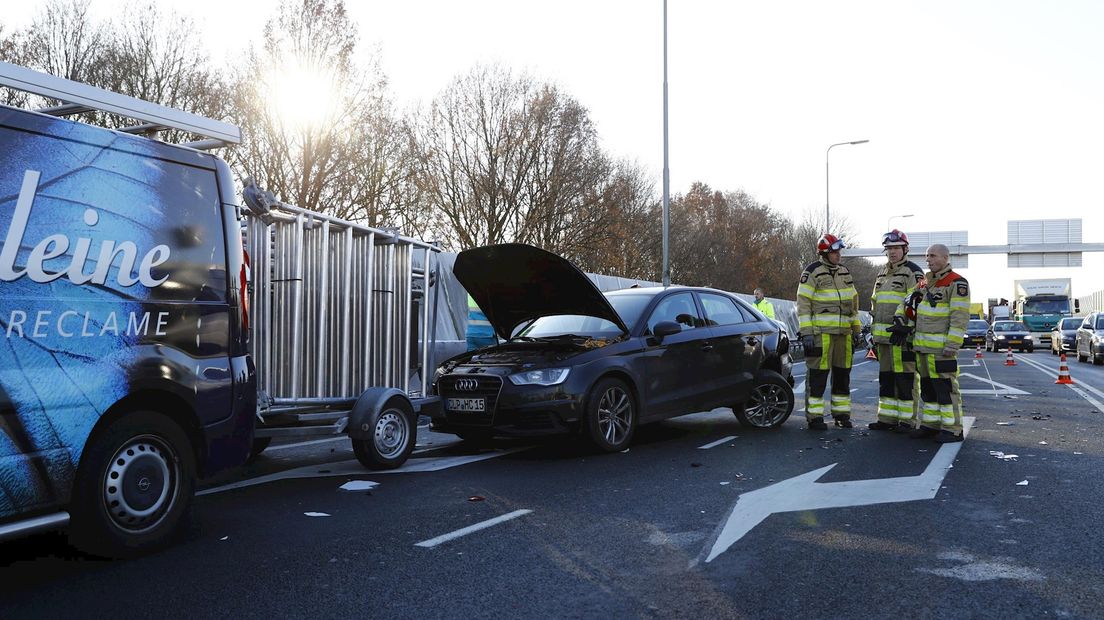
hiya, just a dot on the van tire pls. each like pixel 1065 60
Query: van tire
pixel 394 432
pixel 153 462
pixel 260 444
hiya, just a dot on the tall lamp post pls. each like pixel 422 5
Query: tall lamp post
pixel 666 170
pixel 827 213
pixel 893 217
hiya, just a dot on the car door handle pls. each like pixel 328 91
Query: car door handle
pixel 707 347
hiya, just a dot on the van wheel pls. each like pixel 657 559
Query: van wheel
pixel 611 415
pixel 393 435
pixel 260 444
pixel 133 486
pixel 770 402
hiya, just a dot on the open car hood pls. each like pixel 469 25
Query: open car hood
pixel 514 283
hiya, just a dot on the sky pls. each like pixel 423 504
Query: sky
pixel 977 112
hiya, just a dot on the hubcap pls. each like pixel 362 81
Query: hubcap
pixel 141 483
pixel 615 415
pixel 767 405
pixel 390 436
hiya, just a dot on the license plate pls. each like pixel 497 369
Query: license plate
pixel 1015 342
pixel 465 404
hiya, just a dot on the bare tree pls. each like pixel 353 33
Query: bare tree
pixel 318 129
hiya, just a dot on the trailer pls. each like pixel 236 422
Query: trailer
pixel 342 325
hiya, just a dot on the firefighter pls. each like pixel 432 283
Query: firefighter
pixel 896 362
pixel 479 332
pixel 762 305
pixel 940 307
pixel 828 317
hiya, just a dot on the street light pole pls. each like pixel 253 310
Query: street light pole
pixel 893 217
pixel 666 170
pixel 827 213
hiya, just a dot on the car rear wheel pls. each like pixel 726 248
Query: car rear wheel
pixel 133 486
pixel 769 403
pixel 393 436
pixel 611 415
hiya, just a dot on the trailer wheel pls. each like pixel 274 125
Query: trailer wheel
pixel 393 436
pixel 133 486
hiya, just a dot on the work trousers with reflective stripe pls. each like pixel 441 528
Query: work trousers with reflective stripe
pixel 832 354
pixel 896 378
pixel 941 402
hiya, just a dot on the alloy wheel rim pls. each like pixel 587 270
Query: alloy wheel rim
pixel 768 405
pixel 615 415
pixel 390 435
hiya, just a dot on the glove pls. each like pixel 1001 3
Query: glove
pixel 899 332
pixel 807 342
pixel 950 352
pixel 910 305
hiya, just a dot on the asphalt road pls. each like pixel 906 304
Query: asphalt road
pixel 699 518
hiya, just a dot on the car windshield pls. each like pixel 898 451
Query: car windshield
pixel 977 325
pixel 628 307
pixel 1009 326
pixel 1046 306
pixel 1073 323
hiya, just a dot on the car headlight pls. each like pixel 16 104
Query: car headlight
pixel 1029 338
pixel 998 337
pixel 546 376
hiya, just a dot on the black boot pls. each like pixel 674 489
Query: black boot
pixel 843 421
pixel 903 428
pixel 948 437
pixel 923 433
pixel 817 424
pixel 882 426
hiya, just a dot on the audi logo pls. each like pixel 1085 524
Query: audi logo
pixel 466 385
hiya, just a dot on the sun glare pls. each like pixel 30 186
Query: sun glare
pixel 303 97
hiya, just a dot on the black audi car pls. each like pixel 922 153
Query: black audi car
pixel 575 360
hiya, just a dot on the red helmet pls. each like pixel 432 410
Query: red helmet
pixel 829 243
pixel 894 238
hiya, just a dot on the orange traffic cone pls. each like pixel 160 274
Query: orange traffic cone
pixel 977 355
pixel 1009 360
pixel 1063 372
pixel 870 354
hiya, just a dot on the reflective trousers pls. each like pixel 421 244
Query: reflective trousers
pixel 896 380
pixel 941 402
pixel 832 354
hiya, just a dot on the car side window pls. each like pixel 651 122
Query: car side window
pixel 679 308
pixel 720 310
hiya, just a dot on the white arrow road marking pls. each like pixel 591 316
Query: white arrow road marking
pixel 805 493
pixel 433 542
pixel 353 467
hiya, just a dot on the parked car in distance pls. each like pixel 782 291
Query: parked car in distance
pixel 1064 335
pixel 975 332
pixel 575 360
pixel 1009 334
pixel 1090 339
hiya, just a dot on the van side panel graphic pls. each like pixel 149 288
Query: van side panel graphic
pixel 106 282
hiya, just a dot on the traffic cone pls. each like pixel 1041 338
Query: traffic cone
pixel 870 354
pixel 1009 360
pixel 1063 372
pixel 977 355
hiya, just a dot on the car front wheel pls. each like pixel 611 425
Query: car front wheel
pixel 611 415
pixel 769 403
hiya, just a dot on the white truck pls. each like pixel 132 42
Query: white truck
pixel 1040 304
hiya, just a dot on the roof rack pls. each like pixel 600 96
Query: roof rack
pixel 80 97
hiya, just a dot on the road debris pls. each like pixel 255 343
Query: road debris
pixel 359 485
pixel 1003 456
pixel 1022 483
pixel 316 514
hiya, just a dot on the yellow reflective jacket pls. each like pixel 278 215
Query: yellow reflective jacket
pixel 893 283
pixel 827 302
pixel 941 313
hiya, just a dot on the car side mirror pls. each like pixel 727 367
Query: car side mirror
pixel 665 328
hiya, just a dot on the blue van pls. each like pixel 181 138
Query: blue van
pixel 124 372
